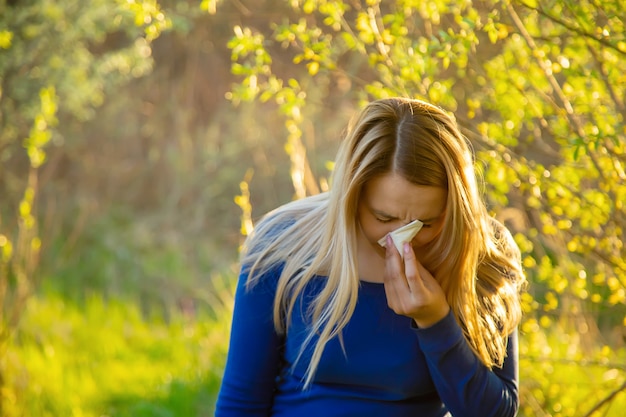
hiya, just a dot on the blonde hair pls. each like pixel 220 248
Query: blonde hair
pixel 474 258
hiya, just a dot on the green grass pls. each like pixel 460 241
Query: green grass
pixel 99 358
pixel 106 359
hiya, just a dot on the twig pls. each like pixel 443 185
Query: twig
pixel 572 28
pixel 566 361
pixel 558 90
pixel 605 400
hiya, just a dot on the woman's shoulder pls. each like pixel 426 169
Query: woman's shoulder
pixel 276 222
pixel 270 229
pixel 286 216
pixel 287 224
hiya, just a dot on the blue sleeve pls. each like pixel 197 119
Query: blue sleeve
pixel 465 385
pixel 253 357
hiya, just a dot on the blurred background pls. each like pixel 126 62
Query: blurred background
pixel 140 141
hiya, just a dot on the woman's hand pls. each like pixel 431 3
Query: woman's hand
pixel 411 290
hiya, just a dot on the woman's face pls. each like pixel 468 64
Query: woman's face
pixel 389 201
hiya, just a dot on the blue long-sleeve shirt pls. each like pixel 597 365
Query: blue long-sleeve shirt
pixel 387 366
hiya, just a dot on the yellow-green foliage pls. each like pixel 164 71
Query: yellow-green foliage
pixel 559 378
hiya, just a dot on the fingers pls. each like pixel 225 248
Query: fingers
pixel 394 268
pixel 411 268
pixel 391 251
pixel 411 289
pixel 393 260
pixel 402 274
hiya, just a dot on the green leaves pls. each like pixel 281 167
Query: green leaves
pixel 5 39
pixel 54 67
pixel 40 133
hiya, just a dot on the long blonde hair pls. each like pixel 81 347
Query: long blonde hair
pixel 474 259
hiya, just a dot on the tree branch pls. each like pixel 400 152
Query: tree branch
pixel 606 400
pixel 605 79
pixel 573 28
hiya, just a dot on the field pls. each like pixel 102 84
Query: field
pixel 107 358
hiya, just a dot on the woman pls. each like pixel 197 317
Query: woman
pixel 327 322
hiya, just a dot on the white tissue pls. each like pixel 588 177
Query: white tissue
pixel 405 233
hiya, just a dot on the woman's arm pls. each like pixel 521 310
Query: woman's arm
pixel 253 357
pixel 465 385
